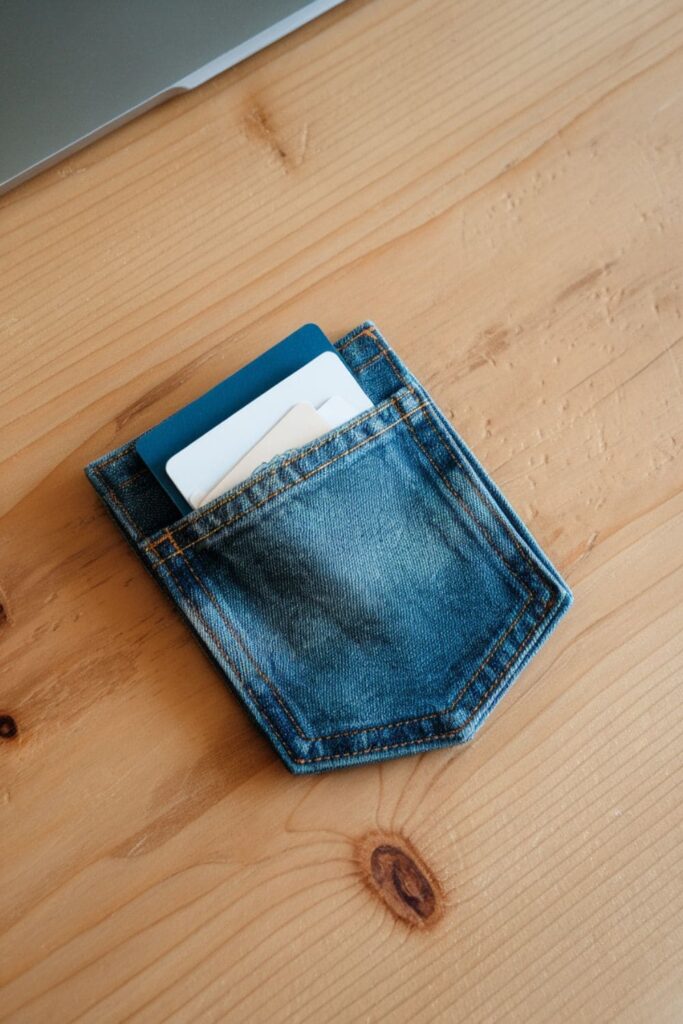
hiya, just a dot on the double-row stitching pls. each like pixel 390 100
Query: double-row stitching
pixel 285 487
pixel 369 362
pixel 455 457
pixel 447 445
pixel 461 693
pixel 373 746
pixel 127 481
pixel 400 378
pixel 367 728
pixel 114 498
pixel 193 520
pixel 128 448
pixel 367 332
pixel 202 618
pixel 232 664
pixel 254 696
pixel 493 509
pixel 461 501
pixel 267 680
pixel 535 627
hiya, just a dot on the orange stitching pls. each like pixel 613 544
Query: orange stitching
pixel 116 456
pixel 115 499
pixel 369 362
pixel 418 718
pixel 467 509
pixel 271 684
pixel 129 447
pixel 255 697
pixel 280 465
pixel 391 746
pixel 453 732
pixel 286 487
pixel 240 641
pixel 221 646
pixel 367 332
pixel 446 443
pixel 231 663
pixel 132 478
pixel 472 476
pixel 397 373
pixel 368 728
pixel 167 536
pixel 388 355
pixel 459 695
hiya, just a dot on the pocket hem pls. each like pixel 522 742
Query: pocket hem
pixel 253 495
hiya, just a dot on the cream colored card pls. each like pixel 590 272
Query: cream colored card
pixel 196 468
pixel 299 426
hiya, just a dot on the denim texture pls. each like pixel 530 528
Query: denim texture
pixel 369 595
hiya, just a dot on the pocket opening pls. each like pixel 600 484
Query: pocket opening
pixel 284 472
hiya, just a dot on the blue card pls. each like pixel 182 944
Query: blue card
pixel 157 446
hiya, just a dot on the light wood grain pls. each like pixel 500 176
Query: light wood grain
pixel 498 186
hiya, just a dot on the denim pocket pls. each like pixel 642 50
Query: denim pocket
pixel 368 595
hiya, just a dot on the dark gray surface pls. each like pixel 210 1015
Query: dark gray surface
pixel 72 69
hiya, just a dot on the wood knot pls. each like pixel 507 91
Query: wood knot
pixel 394 871
pixel 8 727
pixel 5 617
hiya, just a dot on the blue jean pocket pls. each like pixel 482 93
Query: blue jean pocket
pixel 368 595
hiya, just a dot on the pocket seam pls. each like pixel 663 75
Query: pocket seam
pixel 367 728
pixel 114 498
pixel 535 626
pixel 455 458
pixel 221 646
pixel 127 448
pixel 453 732
pixel 366 332
pixel 463 503
pixel 169 534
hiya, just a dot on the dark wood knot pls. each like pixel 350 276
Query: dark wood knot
pixel 8 727
pixel 395 872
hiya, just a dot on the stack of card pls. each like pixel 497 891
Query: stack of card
pixel 289 396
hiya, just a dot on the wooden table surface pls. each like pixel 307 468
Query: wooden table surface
pixel 498 187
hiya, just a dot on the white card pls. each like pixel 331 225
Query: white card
pixel 299 426
pixel 201 465
pixel 336 411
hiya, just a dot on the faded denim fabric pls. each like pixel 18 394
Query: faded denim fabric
pixel 369 595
